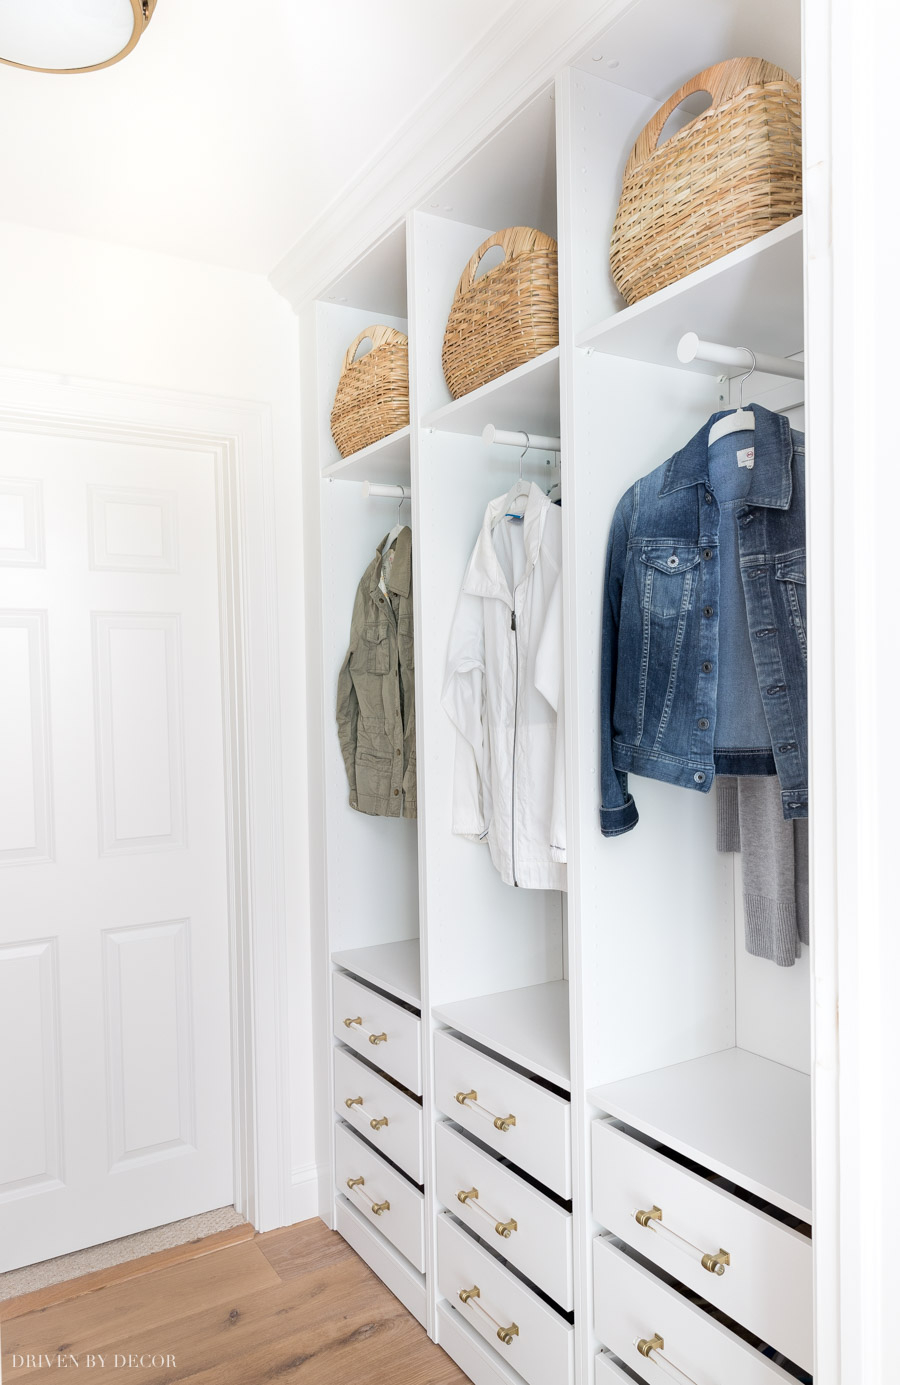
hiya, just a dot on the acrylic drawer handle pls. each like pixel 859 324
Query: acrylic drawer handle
pixel 505 1334
pixel 377 1207
pixel 502 1228
pixel 358 1024
pixel 471 1099
pixel 653 1221
pixel 656 1345
pixel 376 1123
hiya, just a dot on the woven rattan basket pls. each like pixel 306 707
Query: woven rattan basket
pixel 372 397
pixel 730 175
pixel 508 316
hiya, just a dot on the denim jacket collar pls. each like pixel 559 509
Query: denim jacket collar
pixel 770 485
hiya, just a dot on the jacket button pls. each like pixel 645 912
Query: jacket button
pixel 398 752
pixel 708 498
pixel 707 667
pixel 396 792
pixel 703 723
pixel 699 777
pixel 707 552
pixel 707 610
pixel 381 600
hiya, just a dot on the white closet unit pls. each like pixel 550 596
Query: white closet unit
pixel 550 1065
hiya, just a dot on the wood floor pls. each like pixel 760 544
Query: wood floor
pixel 292 1307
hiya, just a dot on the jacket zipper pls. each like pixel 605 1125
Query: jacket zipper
pixel 514 627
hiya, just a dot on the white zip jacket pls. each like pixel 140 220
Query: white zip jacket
pixel 503 693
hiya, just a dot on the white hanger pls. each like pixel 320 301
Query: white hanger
pixel 395 532
pixel 520 491
pixel 742 420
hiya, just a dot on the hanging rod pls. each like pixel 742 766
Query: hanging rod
pixel 693 348
pixel 392 492
pixel 540 441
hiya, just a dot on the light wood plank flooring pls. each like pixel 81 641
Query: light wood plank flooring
pixel 296 1307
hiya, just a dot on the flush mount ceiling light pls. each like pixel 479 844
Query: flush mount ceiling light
pixel 70 35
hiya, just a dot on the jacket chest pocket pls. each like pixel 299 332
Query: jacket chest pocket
pixel 668 572
pixel 790 574
pixel 375 648
pixel 406 642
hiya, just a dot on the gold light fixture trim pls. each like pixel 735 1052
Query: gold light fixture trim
pixel 143 13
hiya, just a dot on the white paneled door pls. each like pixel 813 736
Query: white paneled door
pixel 115 1068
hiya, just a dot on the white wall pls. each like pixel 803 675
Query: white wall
pixel 76 306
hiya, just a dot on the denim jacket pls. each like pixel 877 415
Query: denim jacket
pixel 660 643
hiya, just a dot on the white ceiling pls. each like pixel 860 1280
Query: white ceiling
pixel 231 126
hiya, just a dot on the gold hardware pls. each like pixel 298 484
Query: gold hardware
pixel 377 1125
pixel 466 1294
pixel 355 1182
pixel 379 1207
pixel 142 11
pixel 644 1218
pixel 350 1023
pixel 648 1344
pixel 351 1101
pixel 464 1197
pixel 378 1038
pixel 506 1228
pixel 506 1334
pixel 463 1097
pixel 504 1122
pixel 716 1263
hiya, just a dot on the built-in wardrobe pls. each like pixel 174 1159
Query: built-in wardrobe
pixel 571 1132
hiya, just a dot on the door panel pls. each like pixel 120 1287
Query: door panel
pixel 114 982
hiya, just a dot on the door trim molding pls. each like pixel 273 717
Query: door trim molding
pixel 237 435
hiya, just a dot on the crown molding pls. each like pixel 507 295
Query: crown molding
pixel 517 56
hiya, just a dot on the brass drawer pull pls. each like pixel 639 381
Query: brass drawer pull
pixel 471 1099
pixel 653 1221
pixel 502 1228
pixel 358 1024
pixel 505 1334
pixel 377 1207
pixel 656 1346
pixel 376 1123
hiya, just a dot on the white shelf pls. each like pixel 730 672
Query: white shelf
pixel 529 1027
pixel 752 297
pixel 392 966
pixel 385 461
pixel 740 1115
pixel 524 400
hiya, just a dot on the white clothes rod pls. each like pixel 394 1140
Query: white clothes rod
pixel 392 492
pixel 694 348
pixel 536 440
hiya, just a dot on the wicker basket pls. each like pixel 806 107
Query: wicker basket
pixel 730 175
pixel 372 397
pixel 508 316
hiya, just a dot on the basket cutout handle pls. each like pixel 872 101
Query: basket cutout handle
pixel 514 241
pixel 721 82
pixel 378 336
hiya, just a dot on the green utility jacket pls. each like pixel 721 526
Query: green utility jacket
pixel 376 714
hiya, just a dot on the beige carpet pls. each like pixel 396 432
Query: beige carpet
pixel 176 1233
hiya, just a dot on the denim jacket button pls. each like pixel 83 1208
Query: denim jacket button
pixel 707 552
pixel 707 610
pixel 708 498
pixel 699 777
pixel 703 723
pixel 707 667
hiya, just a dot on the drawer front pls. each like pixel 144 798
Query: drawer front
pixel 607 1372
pixel 534 1233
pixel 542 1350
pixel 386 1117
pixel 385 1033
pixel 631 1304
pixel 768 1285
pixel 538 1142
pixel 403 1220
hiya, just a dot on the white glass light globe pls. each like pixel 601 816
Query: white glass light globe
pixel 66 35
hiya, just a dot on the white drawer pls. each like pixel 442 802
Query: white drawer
pixel 538 1141
pixel 521 1224
pixel 608 1372
pixel 385 1116
pixel 387 1034
pixel 542 1347
pixel 767 1287
pixel 402 1215
pixel 631 1304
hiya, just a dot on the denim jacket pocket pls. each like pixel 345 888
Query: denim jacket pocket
pixel 790 573
pixel 668 577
